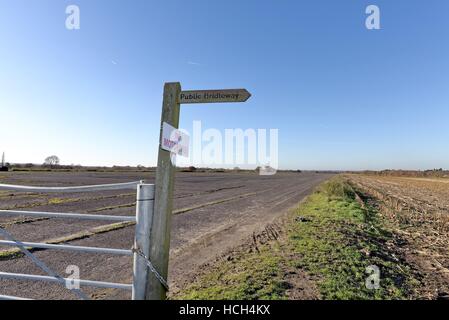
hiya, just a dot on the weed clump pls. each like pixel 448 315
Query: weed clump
pixel 337 188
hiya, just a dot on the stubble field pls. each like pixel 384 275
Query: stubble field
pixel 418 210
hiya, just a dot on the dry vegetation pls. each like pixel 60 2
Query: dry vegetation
pixel 435 173
pixel 418 209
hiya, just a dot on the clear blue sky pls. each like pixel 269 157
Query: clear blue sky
pixel 342 96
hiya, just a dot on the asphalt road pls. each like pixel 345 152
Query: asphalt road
pixel 213 213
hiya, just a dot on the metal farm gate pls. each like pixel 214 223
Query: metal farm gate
pixel 152 217
pixel 142 267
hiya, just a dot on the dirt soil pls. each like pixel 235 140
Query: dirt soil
pixel 213 213
pixel 418 209
pixel 301 286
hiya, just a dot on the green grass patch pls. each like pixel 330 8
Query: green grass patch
pixel 340 240
pixel 333 238
pixel 254 276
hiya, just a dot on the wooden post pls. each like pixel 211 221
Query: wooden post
pixel 163 203
pixel 165 175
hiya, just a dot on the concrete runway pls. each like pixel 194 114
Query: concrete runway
pixel 214 212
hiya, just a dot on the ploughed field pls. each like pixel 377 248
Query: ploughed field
pixel 212 213
pixel 418 209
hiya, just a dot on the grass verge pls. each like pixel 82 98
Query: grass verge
pixel 333 238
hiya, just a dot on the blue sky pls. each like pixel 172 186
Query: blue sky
pixel 342 96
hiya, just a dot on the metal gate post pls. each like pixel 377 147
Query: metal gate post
pixel 144 218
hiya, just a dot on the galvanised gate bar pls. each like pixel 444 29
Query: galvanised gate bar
pixel 144 213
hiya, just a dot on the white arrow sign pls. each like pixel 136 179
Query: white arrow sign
pixel 214 96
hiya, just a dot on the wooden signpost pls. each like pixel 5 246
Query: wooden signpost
pixel 159 248
pixel 214 96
